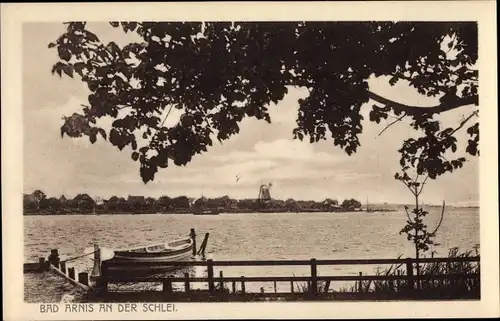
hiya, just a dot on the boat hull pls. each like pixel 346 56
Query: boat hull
pixel 134 257
pixel 170 252
pixel 206 212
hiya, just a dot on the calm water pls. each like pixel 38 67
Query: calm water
pixel 253 236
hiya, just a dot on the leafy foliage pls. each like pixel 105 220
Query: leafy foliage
pixel 219 73
pixel 415 228
pixel 422 239
pixel 351 204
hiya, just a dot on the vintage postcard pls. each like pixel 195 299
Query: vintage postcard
pixel 249 160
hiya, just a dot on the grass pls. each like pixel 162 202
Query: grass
pixel 445 286
pixel 323 287
pixel 467 285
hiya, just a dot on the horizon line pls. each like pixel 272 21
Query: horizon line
pixel 380 202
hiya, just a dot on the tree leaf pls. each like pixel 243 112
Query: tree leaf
pixel 102 132
pixel 92 138
pixel 68 70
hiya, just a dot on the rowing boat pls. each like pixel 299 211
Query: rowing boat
pixel 176 250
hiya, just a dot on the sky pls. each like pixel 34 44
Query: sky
pixel 260 153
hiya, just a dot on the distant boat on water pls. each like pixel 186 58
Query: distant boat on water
pixel 201 211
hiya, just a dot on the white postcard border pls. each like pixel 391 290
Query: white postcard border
pixel 14 15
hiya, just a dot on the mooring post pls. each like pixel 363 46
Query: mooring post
pixel 193 237
pixel 41 262
pixel 101 279
pixel 314 277
pixel 63 267
pixel 409 274
pixel 210 275
pixel 101 283
pixel 203 246
pixel 71 273
pixel 186 282
pixel 83 278
pixel 96 270
pixel 54 258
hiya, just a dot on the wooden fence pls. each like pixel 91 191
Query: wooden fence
pixel 118 272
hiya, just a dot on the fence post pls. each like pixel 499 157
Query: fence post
pixel 210 275
pixel 234 287
pixel 360 283
pixel 243 284
pixel 409 274
pixel 314 277
pixel 275 289
pixel 186 282
pixel 398 281
pixel 167 286
pixel 221 284
pixel 291 286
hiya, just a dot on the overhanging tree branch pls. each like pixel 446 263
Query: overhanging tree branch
pixel 415 110
pixel 463 122
pixel 392 123
pixel 433 233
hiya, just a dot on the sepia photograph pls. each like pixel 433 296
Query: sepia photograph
pixel 172 161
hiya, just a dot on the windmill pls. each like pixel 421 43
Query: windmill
pixel 264 192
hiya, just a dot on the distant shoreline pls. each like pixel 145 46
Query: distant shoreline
pixel 239 211
pixel 243 212
pixel 190 212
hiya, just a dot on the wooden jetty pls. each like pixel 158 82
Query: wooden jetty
pixel 230 288
pixel 88 282
pixel 71 274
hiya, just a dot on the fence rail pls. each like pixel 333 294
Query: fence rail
pixel 287 278
pixel 117 272
pixel 298 262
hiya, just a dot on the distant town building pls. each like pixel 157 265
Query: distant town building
pixel 136 199
pixel 63 199
pixel 30 198
pixel 136 202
